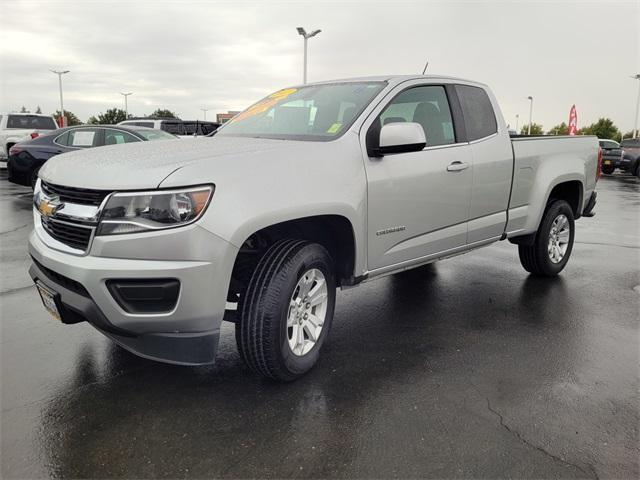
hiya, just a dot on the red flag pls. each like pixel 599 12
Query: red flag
pixel 573 121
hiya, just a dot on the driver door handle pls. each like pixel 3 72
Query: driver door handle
pixel 457 166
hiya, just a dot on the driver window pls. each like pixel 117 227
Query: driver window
pixel 427 106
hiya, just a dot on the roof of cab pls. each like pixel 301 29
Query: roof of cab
pixel 393 79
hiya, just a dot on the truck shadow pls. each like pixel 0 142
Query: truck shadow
pixel 123 415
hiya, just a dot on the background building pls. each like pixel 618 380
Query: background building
pixel 225 117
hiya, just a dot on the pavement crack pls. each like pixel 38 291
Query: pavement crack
pixel 605 244
pixel 526 442
pixel 13 290
pixel 15 229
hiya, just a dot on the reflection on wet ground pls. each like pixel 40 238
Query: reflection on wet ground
pixel 468 368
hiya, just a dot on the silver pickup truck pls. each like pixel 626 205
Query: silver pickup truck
pixel 314 187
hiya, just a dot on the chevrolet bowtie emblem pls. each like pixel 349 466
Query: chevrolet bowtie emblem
pixel 49 206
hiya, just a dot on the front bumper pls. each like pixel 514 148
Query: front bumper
pixel 188 334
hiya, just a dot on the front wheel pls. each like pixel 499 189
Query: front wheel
pixel 286 312
pixel 608 170
pixel 552 247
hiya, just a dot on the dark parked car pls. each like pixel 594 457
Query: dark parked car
pixel 199 127
pixel 26 158
pixel 611 155
pixel 631 156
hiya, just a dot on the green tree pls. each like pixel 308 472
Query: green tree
pixel 161 112
pixel 70 116
pixel 38 110
pixel 561 129
pixel 586 130
pixel 536 129
pixel 110 117
pixel 23 110
pixel 603 128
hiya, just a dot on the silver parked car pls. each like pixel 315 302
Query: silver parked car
pixel 314 187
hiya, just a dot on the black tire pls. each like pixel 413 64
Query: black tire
pixel 536 258
pixel 608 170
pixel 261 327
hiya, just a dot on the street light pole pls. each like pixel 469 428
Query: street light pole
pixel 126 104
pixel 517 121
pixel 635 128
pixel 60 73
pixel 530 114
pixel 306 36
pixel 205 110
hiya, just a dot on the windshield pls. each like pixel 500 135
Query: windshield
pixel 31 122
pixel 150 134
pixel 316 113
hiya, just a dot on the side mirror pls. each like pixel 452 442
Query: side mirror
pixel 401 137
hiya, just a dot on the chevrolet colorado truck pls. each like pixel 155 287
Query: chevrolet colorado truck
pixel 314 187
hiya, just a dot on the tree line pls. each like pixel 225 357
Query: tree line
pixel 110 117
pixel 603 128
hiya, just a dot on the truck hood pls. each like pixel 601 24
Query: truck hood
pixel 146 164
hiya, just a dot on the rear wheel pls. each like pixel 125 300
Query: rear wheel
pixel 286 312
pixel 552 247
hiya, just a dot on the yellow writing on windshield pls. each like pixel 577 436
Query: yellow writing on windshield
pixel 265 104
pixel 334 128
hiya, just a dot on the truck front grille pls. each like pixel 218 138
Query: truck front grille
pixel 83 196
pixel 74 235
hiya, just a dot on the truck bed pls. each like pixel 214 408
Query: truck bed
pixel 548 160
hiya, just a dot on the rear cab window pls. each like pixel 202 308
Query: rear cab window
pixel 35 122
pixel 479 116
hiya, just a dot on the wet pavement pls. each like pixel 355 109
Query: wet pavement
pixel 470 368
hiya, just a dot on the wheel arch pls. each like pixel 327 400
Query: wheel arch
pixel 571 191
pixel 334 232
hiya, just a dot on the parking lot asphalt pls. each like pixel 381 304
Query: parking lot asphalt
pixel 470 368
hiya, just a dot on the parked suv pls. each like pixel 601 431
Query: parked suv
pixel 611 155
pixel 630 161
pixel 200 127
pixel 16 127
pixel 314 187
pixel 174 126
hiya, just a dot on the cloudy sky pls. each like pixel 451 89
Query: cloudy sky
pixel 187 55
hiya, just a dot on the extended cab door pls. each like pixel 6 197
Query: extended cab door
pixel 418 202
pixel 492 163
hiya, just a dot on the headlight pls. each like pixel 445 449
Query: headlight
pixel 133 212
